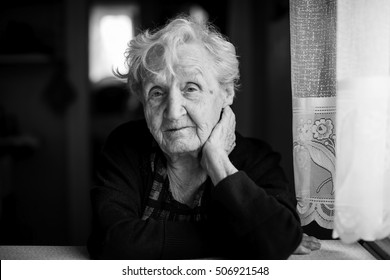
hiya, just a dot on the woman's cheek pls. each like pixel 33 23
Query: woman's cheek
pixel 204 129
pixel 153 119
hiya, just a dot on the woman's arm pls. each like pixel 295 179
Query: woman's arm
pixel 256 220
pixel 254 208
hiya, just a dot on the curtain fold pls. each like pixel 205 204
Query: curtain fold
pixel 313 78
pixel 340 58
pixel 363 118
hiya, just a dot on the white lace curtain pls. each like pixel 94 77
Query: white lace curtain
pixel 340 58
pixel 313 68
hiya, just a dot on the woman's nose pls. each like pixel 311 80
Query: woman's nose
pixel 175 105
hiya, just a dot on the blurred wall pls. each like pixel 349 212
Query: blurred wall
pixel 260 31
pixel 33 126
pixel 44 179
pixel 34 204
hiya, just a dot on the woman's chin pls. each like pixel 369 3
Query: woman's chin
pixel 182 148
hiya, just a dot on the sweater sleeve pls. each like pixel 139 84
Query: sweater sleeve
pixel 255 211
pixel 118 230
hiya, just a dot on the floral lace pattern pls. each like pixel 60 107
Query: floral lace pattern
pixel 313 79
pixel 314 151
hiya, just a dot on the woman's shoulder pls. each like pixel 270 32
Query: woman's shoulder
pixel 250 150
pixel 252 145
pixel 258 160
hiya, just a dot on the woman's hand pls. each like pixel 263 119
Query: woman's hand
pixel 223 135
pixel 221 142
pixel 308 244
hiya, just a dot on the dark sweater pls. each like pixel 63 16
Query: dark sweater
pixel 250 214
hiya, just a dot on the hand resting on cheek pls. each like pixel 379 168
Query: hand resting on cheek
pixel 218 146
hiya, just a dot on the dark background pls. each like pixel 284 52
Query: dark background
pixel 50 123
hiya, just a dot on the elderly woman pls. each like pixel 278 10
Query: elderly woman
pixel 183 183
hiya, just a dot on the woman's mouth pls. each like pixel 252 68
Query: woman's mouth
pixel 177 131
pixel 174 129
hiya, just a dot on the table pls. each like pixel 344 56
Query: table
pixel 43 253
pixel 336 250
pixel 330 250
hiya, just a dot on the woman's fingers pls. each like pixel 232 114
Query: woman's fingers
pixel 228 125
pixel 308 244
pixel 302 250
pixel 311 242
pixel 223 134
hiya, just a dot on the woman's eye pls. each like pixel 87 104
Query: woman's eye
pixel 156 92
pixel 192 87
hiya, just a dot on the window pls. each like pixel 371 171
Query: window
pixel 111 27
pixel 380 248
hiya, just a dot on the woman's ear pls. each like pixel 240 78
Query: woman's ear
pixel 229 91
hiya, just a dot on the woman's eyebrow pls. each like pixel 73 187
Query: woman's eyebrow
pixel 155 80
pixel 194 73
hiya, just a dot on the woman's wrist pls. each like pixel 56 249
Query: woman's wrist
pixel 217 164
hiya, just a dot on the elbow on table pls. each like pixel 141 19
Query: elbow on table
pixel 278 242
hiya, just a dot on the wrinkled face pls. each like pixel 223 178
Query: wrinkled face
pixel 182 110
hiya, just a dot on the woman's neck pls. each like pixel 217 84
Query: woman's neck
pixel 185 175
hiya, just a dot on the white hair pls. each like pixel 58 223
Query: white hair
pixel 152 52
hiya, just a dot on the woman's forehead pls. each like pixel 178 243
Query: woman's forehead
pixel 183 55
pixel 193 55
pixel 190 60
pixel 180 73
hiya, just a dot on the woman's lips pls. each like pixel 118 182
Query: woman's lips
pixel 176 129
